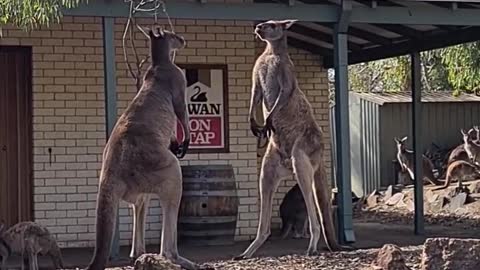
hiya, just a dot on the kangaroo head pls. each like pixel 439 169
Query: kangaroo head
pixel 162 43
pixel 273 30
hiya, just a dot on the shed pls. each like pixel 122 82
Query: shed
pixel 376 118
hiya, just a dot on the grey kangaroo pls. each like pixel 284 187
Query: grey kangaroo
pixel 138 158
pixel 293 213
pixel 29 239
pixel 405 158
pixel 294 136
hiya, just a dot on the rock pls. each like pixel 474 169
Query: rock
pixel 457 201
pixel 395 199
pixel 474 187
pixel 430 196
pixel 401 204
pixel 451 254
pixel 372 199
pixel 410 205
pixel 438 204
pixel 154 262
pixel 391 190
pixel 389 257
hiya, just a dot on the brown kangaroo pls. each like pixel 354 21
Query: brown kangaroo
pixel 293 135
pixel 29 239
pixel 137 160
pixel 405 158
pixel 458 170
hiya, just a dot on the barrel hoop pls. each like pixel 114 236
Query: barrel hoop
pixel 202 193
pixel 207 219
pixel 208 180
pixel 206 233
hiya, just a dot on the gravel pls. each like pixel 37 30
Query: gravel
pixel 352 260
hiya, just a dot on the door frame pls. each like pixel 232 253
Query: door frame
pixel 27 140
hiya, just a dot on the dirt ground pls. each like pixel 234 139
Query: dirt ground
pixel 373 228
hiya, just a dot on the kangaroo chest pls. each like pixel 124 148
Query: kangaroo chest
pixel 268 73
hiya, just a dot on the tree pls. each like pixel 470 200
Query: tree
pixel 31 14
pixel 454 68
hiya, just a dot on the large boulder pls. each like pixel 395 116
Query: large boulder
pixel 451 254
pixel 153 261
pixel 389 257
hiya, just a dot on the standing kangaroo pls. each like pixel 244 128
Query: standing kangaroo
pixel 29 239
pixel 293 135
pixel 138 159
pixel 405 158
pixel 472 149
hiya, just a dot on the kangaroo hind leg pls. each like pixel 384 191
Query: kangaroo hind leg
pixel 271 174
pixel 170 195
pixel 140 209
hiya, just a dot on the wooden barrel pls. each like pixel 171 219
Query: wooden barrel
pixel 209 206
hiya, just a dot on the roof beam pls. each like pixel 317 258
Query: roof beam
pixel 402 48
pixel 300 11
pixel 306 46
pixel 219 11
pixel 401 30
pixel 306 31
pixel 363 34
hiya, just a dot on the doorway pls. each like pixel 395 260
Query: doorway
pixel 16 178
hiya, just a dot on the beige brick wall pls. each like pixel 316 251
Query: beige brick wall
pixel 69 117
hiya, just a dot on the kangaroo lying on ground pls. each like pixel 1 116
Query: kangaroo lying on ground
pixel 137 159
pixel 294 136
pixel 29 239
pixel 405 158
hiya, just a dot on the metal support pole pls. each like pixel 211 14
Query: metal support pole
pixel 342 130
pixel 417 141
pixel 110 102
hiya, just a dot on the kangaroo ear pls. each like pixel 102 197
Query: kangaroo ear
pixel 476 128
pixel 404 139
pixel 471 131
pixel 396 140
pixel 287 23
pixel 463 132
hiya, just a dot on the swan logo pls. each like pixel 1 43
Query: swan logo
pixel 205 104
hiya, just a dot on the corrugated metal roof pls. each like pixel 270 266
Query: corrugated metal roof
pixel 406 97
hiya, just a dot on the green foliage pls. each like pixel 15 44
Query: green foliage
pixel 463 62
pixel 30 14
pixel 454 68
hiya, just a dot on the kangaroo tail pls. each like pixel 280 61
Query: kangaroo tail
pixel 107 203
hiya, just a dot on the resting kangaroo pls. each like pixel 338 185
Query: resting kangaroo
pixel 293 213
pixel 295 136
pixel 29 239
pixel 405 158
pixel 137 159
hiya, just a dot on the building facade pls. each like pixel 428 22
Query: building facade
pixel 68 117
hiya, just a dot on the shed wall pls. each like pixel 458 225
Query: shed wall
pixel 441 124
